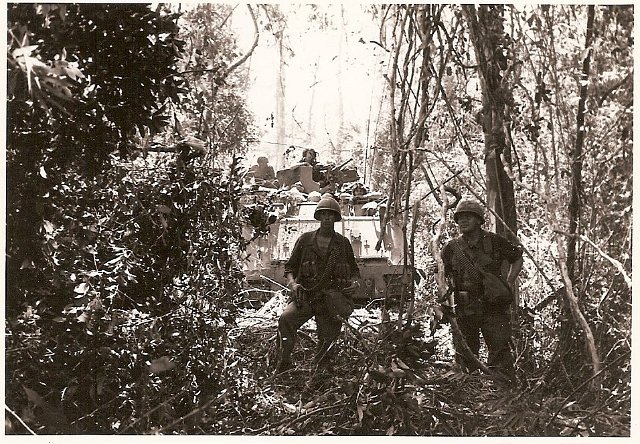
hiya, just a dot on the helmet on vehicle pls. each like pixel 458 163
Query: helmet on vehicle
pixel 468 206
pixel 327 202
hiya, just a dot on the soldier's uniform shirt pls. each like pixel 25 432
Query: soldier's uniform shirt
pixel 307 261
pixel 488 253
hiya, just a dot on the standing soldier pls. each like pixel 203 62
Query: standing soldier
pixel 322 275
pixel 480 309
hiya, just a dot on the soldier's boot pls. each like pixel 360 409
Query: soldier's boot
pixel 285 348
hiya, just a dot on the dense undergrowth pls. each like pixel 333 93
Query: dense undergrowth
pixel 135 322
pixel 105 305
pixel 176 374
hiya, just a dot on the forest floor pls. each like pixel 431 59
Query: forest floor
pixel 382 381
pixel 376 388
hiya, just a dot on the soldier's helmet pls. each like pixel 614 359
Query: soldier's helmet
pixel 327 202
pixel 468 206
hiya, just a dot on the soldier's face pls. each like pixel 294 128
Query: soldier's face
pixel 327 218
pixel 468 222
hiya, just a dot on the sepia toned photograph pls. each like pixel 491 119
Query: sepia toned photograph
pixel 332 219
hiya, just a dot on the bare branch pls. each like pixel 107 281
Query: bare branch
pixel 574 306
pixel 19 419
pixel 242 59
pixel 616 263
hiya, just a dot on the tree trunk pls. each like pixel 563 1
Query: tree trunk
pixel 281 129
pixel 487 35
pixel 576 158
pixel 567 261
pixel 339 99
pixel 311 121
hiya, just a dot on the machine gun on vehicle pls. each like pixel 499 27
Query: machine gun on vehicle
pixel 338 175
pixel 321 178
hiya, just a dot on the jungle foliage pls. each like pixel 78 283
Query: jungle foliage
pixel 106 232
pixel 126 127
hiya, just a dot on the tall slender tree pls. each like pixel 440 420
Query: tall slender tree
pixel 578 148
pixel 494 63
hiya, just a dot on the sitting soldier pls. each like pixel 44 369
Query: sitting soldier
pixel 263 173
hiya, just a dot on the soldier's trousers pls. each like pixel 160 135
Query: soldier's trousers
pixel 292 319
pixel 496 331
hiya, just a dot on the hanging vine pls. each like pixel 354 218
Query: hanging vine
pixel 416 67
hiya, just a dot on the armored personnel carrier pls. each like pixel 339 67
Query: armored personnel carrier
pixel 280 216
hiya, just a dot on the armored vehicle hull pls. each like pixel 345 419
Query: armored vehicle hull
pixel 381 270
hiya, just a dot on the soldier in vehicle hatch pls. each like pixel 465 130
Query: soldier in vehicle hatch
pixel 482 306
pixel 310 157
pixel 263 173
pixel 322 276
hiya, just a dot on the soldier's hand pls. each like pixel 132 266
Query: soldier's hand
pixel 351 289
pixel 297 292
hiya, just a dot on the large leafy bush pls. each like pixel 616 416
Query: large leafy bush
pixel 122 276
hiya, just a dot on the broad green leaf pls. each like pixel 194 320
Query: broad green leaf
pixel 27 263
pixel 24 51
pixel 73 72
pixel 48 227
